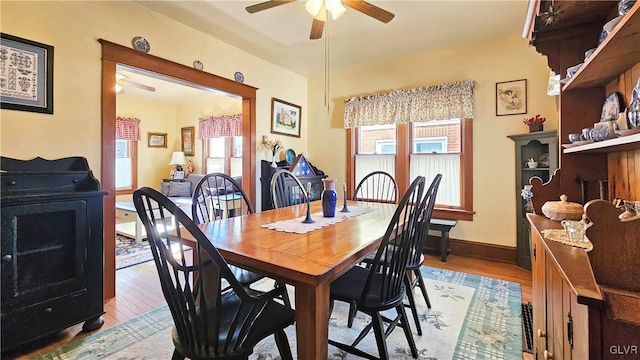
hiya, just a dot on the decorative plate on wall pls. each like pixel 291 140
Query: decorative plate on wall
pixel 141 44
pixel 239 77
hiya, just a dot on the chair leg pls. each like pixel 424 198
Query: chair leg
pixel 407 331
pixel 285 295
pixel 283 345
pixel 412 303
pixel 176 355
pixel 353 309
pixel 381 340
pixel 423 288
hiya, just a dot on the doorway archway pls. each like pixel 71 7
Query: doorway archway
pixel 113 54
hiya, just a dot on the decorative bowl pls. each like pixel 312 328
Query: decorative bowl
pixel 572 70
pixel 588 53
pixel 562 210
pixel 624 6
pixel 532 164
pixel 573 137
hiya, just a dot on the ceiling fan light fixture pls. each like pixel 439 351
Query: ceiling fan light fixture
pixel 322 15
pixel 335 7
pixel 314 6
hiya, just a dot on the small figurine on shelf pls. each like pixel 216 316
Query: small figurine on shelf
pixel 535 123
pixel 527 195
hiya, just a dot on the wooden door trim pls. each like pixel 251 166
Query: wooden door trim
pixel 113 54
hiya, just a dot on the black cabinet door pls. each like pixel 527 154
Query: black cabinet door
pixel 43 251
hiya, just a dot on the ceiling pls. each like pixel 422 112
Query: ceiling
pixel 281 34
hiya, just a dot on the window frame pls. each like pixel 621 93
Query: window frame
pixel 404 147
pixel 133 150
pixel 229 152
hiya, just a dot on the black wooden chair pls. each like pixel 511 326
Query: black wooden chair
pixel 413 276
pixel 217 196
pixel 377 186
pixel 381 287
pixel 207 325
pixel 286 189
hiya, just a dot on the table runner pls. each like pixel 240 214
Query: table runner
pixel 297 226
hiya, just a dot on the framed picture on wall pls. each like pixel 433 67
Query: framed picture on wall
pixel 187 134
pixel 157 140
pixel 286 118
pixel 511 97
pixel 27 79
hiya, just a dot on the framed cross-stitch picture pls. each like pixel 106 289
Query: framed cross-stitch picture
pixel 511 97
pixel 26 75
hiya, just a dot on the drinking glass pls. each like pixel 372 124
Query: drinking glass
pixel 575 230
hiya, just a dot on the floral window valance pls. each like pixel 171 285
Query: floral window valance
pixel 440 102
pixel 127 128
pixel 216 126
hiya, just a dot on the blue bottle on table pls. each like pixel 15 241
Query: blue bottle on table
pixel 329 198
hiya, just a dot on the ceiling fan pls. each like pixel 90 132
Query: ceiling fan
pixel 319 8
pixel 121 80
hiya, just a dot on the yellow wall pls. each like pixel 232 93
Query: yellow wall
pixel 486 63
pixel 155 117
pixel 73 28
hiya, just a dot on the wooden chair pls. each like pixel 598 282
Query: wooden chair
pixel 413 276
pixel 218 196
pixel 381 287
pixel 377 186
pixel 286 189
pixel 222 324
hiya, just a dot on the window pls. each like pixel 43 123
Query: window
pixel 126 166
pixel 224 155
pixel 436 150
pixel 420 148
pixel 376 150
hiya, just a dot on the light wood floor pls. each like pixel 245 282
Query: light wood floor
pixel 138 291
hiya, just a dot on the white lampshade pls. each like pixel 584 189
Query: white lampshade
pixel 177 158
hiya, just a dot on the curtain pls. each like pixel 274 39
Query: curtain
pixel 366 164
pixel 216 126
pixel 127 128
pixel 440 102
pixel 429 165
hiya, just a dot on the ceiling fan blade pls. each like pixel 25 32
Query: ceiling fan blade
pixel 316 29
pixel 369 9
pixel 266 5
pixel 138 85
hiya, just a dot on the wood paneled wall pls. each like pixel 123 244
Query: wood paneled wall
pixel 623 167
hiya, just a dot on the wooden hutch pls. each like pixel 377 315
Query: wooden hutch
pixel 585 304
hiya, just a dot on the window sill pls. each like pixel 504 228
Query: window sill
pixel 453 214
pixel 125 192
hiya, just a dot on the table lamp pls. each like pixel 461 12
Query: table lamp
pixel 177 159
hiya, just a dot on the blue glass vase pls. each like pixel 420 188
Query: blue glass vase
pixel 329 198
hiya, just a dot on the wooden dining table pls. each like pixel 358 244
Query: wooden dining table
pixel 309 262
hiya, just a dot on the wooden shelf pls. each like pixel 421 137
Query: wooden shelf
pixel 617 54
pixel 622 143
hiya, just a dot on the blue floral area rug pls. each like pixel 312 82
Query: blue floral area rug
pixel 472 317
pixel 128 253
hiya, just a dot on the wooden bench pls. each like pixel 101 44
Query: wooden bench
pixel 443 226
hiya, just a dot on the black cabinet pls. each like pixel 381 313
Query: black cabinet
pixel 51 248
pixel 542 148
pixel 265 183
